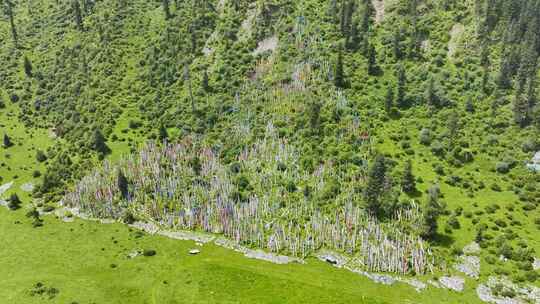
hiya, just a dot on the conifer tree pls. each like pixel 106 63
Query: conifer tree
pixel 375 185
pixel 27 67
pixel 408 182
pixel 8 8
pixel 14 202
pixel 401 87
pixel 98 142
pixel 166 9
pixel 389 100
pixel 373 68
pixel 339 77
pixel 205 82
pixel 77 14
pixel 469 105
pixel 122 183
pixel 432 212
pixel 7 141
pixel 163 134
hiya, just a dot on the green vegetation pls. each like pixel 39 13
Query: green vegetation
pixel 417 116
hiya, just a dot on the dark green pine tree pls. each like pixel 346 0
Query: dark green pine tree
pixel 408 182
pixel 401 87
pixel 339 77
pixel 166 9
pixel 14 202
pixel 469 105
pixel 7 141
pixel 432 211
pixel 375 186
pixel 206 82
pixel 8 8
pixel 77 14
pixel 389 100
pixel 98 143
pixel 27 67
pixel 373 68
pixel 431 97
pixel 163 134
pixel 396 44
pixel 521 110
pixel 123 185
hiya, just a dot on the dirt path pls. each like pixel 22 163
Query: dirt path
pixel 379 10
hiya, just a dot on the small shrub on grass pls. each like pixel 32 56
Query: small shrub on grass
pixel 149 252
pixel 14 202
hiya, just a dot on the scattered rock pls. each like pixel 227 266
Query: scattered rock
pixel 503 291
pixel 257 254
pixel 200 238
pixel 194 251
pixel 455 35
pixel 536 264
pixel 5 187
pixel 378 5
pixel 135 253
pixel 454 283
pixel 534 165
pixel 28 187
pixel 268 44
pixel 333 258
pixel 472 248
pixel 469 265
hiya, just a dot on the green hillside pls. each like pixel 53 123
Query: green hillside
pixel 394 135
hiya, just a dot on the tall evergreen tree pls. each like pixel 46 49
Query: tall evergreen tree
pixel 7 141
pixel 77 14
pixel 123 184
pixel 375 186
pixel 401 87
pixel 389 100
pixel 98 142
pixel 408 182
pixel 27 67
pixel 373 68
pixel 163 134
pixel 166 9
pixel 339 77
pixel 8 8
pixel 432 211
pixel 14 202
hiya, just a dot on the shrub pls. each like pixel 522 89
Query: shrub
pixel 40 156
pixel 502 167
pixel 453 222
pixel 149 252
pixel 425 137
pixel 14 202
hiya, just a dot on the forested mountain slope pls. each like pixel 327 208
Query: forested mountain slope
pixel 392 132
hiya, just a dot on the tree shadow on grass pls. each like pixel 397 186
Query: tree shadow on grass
pixel 443 240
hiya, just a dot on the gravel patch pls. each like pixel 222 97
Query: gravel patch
pixel 268 44
pixel 378 5
pixel 454 283
pixel 469 265
pixel 492 292
pixel 472 248
pixel 455 35
pixel 5 187
pixel 334 258
pixel 28 187
pixel 536 264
